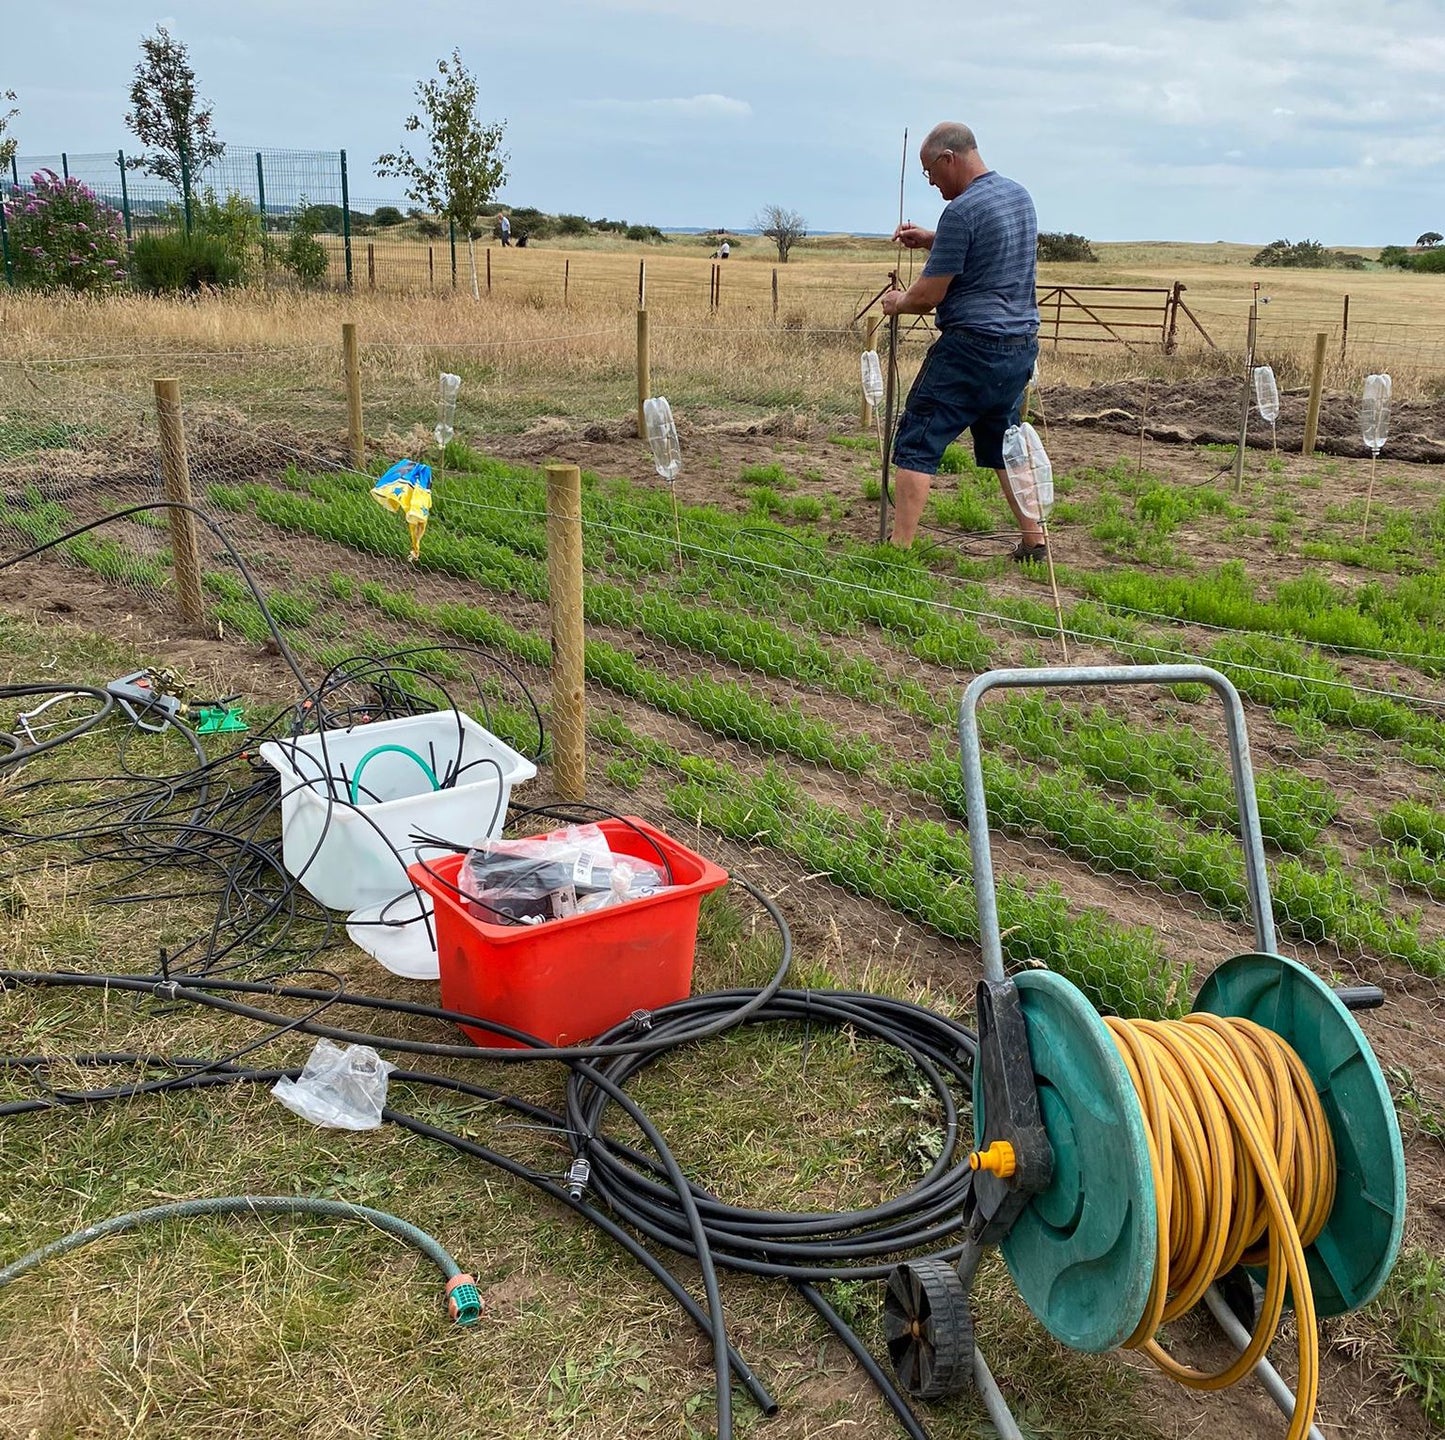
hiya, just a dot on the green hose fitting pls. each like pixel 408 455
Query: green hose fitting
pixel 464 1302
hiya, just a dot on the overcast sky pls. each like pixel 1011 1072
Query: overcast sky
pixel 1127 119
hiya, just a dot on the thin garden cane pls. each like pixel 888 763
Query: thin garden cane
pixel 1031 480
pixel 1375 427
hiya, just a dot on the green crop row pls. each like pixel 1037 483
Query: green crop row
pixel 1407 619
pixel 1138 837
pixel 922 869
pixel 1169 763
pixel 43 520
pixel 720 707
pixel 353 519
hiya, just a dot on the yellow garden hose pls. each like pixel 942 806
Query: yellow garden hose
pixel 1244 1171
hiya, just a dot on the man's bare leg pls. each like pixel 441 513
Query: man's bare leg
pixel 1030 532
pixel 910 495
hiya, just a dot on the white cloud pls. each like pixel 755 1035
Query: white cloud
pixel 691 107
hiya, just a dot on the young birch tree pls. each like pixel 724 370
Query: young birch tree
pixel 168 117
pixel 464 164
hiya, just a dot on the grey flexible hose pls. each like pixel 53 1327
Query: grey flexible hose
pixel 462 1298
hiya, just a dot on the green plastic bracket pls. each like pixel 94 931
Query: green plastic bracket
pixel 219 720
pixel 1354 1254
pixel 1083 1253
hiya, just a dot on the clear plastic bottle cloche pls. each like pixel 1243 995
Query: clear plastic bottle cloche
pixel 1375 412
pixel 444 429
pixel 872 378
pixel 1030 472
pixel 662 437
pixel 1266 393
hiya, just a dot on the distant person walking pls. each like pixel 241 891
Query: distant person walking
pixel 980 278
pixel 722 251
pixel 504 225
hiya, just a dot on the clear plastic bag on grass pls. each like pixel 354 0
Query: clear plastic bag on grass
pixel 341 1087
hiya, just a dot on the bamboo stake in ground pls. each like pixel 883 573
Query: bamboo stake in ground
pixel 1054 586
pixel 564 592
pixel 1143 423
pixel 1369 494
pixel 176 471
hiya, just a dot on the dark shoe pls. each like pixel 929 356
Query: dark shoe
pixel 1023 552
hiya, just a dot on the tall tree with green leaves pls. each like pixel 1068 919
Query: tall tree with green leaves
pixel 168 117
pixel 7 142
pixel 464 164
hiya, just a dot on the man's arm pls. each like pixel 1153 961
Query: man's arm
pixel 913 237
pixel 920 297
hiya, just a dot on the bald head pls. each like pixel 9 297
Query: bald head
pixel 950 135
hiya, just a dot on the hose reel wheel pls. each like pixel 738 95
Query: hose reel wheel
pixel 929 1329
pixel 1084 1251
pixel 1353 1255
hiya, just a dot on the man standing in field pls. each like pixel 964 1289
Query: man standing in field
pixel 980 279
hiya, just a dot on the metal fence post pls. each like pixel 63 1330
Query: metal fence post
pixel 452 238
pixel 261 191
pixel 186 189
pixel 5 245
pixel 124 197
pixel 64 166
pixel 14 173
pixel 351 364
pixel 346 219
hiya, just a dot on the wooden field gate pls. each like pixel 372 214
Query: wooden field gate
pixel 1068 313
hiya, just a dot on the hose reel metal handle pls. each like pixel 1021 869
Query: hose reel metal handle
pixel 1241 770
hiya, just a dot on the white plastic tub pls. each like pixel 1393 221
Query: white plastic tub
pixel 332 845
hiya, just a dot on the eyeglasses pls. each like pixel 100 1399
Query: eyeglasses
pixel 927 168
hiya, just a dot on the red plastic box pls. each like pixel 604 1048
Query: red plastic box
pixel 567 980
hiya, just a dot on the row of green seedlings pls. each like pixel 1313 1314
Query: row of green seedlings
pixel 42 521
pixel 920 868
pixel 742 569
pixel 1139 837
pixel 1405 621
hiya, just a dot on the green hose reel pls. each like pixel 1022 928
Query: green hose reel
pixel 1083 1249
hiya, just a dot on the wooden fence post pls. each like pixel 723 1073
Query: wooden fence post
pixel 865 410
pixel 489 270
pixel 775 292
pixel 642 284
pixel 1244 401
pixel 351 363
pixel 1317 385
pixel 176 471
pixel 370 266
pixel 431 268
pixel 564 589
pixel 566 280
pixel 644 375
pixel 1171 331
pixel 1345 330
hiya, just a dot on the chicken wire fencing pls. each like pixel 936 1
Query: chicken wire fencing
pixel 766 683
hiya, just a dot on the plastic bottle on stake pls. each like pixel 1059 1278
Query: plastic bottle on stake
pixel 447 409
pixel 1030 473
pixel 662 437
pixel 1375 412
pixel 1266 393
pixel 872 378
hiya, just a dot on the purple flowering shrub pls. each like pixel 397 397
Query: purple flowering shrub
pixel 64 237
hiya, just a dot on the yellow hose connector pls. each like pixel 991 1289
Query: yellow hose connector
pixel 998 1158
